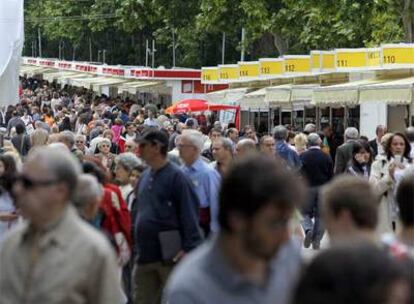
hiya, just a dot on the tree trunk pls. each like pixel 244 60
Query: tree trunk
pixel 407 21
pixel 280 43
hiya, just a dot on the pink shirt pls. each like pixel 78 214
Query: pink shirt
pixel 117 129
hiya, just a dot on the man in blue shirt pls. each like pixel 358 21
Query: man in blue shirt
pixel 205 179
pixel 166 202
pixel 252 259
pixel 283 149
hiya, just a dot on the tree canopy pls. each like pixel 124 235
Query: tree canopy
pixel 82 29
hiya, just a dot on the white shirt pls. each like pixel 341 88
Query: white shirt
pixel 151 122
pixel 380 149
pixel 130 137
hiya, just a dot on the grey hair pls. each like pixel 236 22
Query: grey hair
pixel 227 143
pixel 60 163
pixel 104 141
pixel 68 137
pixel 80 136
pixel 247 144
pixel 195 137
pixel 410 134
pixel 280 133
pixel 310 128
pixel 128 160
pixel 314 140
pixel 351 133
pixel 87 190
pixel 39 137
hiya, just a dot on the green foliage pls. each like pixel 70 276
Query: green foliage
pixel 273 27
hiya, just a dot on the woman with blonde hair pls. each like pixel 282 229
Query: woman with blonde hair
pixel 39 137
pixel 300 141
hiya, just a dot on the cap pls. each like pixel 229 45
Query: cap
pixel 153 136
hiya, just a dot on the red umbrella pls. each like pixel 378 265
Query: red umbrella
pixel 188 105
pixel 196 105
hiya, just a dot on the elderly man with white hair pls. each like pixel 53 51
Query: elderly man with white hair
pixel 344 152
pixel 205 179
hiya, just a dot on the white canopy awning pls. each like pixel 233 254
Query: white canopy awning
pixel 341 94
pixel 36 70
pixel 24 69
pixel 97 86
pixel 57 74
pixel 87 82
pixel 66 79
pixel 228 96
pixel 255 99
pixel 278 94
pixel 134 87
pixel 393 92
pixel 290 94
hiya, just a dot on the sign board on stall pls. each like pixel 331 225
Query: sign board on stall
pixel 398 54
pixel 297 64
pixel 271 67
pixel 328 60
pixel 322 60
pixel 228 72
pixel 350 58
pixel 374 57
pixel 210 74
pixel 249 69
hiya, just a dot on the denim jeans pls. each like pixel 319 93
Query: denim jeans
pixel 312 211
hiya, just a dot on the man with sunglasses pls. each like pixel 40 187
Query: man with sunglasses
pixel 252 259
pixel 55 257
pixel 166 221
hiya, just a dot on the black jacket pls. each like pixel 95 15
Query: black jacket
pixel 374 146
pixel 317 167
pixel 21 143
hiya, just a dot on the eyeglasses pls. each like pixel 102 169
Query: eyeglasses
pixel 28 183
pixel 103 146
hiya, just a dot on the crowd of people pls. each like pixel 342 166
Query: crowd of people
pixel 105 200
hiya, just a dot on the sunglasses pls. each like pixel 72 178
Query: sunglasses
pixel 28 183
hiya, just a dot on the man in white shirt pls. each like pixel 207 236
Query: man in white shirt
pixel 151 121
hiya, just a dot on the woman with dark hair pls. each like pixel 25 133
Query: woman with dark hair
pixel 8 172
pixel 360 165
pixel 396 157
pixel 65 124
